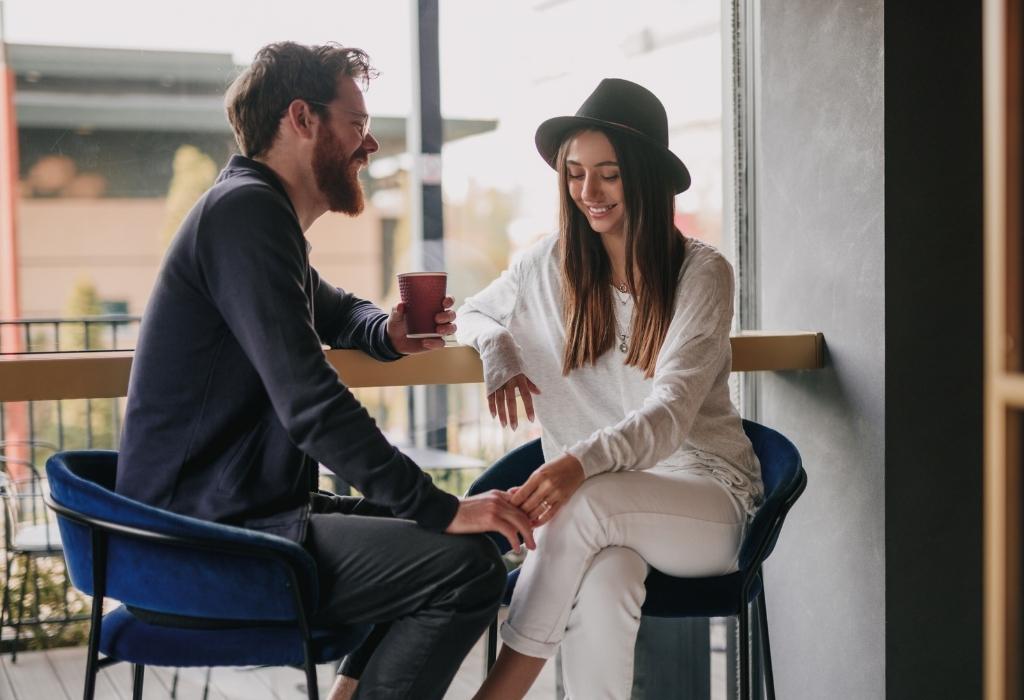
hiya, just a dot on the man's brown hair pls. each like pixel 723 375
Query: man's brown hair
pixel 283 72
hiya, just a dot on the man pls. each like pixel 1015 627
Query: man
pixel 232 403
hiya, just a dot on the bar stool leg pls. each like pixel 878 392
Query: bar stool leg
pixel 138 673
pixel 744 645
pixel 766 653
pixel 491 646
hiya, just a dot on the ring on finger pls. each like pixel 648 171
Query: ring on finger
pixel 546 506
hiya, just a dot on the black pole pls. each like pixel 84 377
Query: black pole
pixel 428 163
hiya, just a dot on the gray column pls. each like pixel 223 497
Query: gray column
pixel 869 226
pixel 821 250
pixel 428 405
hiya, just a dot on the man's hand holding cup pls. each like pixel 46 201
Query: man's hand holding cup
pixel 424 316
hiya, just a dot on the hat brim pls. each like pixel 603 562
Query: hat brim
pixel 552 132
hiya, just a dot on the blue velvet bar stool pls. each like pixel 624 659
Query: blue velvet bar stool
pixel 193 593
pixel 715 596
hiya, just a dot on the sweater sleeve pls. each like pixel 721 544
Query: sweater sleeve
pixel 343 320
pixel 252 259
pixel 483 321
pixel 695 351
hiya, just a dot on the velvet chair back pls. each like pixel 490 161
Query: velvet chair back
pixel 166 577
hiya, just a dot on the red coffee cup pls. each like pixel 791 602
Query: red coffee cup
pixel 423 295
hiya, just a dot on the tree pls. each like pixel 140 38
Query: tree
pixel 194 173
pixel 87 422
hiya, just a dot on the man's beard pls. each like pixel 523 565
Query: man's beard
pixel 337 176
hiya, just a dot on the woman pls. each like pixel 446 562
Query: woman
pixel 617 331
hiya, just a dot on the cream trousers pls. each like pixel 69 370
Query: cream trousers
pixel 583 586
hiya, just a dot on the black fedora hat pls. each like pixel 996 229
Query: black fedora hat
pixel 622 106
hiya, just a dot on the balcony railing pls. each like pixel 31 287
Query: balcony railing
pixel 61 394
pixel 86 333
pixel 89 422
pixel 85 408
pixel 60 412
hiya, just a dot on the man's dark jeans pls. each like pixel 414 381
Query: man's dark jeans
pixel 430 595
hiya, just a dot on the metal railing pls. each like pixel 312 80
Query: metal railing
pixel 81 334
pixel 96 423
pixel 84 423
pixel 32 430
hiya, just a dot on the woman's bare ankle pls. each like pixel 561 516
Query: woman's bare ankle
pixel 344 688
pixel 511 676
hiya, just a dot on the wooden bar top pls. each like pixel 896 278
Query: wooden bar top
pixel 79 375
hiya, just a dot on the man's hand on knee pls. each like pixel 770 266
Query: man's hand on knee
pixel 493 512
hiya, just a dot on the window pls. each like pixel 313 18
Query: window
pixel 121 129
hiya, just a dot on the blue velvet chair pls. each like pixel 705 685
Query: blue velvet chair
pixel 193 593
pixel 716 596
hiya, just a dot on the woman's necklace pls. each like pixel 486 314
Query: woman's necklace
pixel 621 292
pixel 619 330
pixel 623 337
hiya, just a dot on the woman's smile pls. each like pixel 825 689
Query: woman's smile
pixel 598 212
pixel 594 183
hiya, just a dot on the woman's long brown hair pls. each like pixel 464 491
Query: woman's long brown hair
pixel 654 246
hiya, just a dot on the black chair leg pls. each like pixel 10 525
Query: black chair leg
pixel 206 683
pixel 138 673
pixel 311 686
pixel 99 585
pixel 491 646
pixel 25 573
pixel 36 610
pixel 744 648
pixel 174 684
pixel 92 660
pixel 5 611
pixel 64 598
pixel 766 649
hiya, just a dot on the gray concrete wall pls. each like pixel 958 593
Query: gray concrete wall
pixel 821 243
pixel 869 217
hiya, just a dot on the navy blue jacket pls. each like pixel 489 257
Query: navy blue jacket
pixel 231 401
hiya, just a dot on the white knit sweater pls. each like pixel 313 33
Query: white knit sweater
pixel 608 415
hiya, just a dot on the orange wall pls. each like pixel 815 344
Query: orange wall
pixel 115 243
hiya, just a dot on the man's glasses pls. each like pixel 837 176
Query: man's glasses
pixel 363 124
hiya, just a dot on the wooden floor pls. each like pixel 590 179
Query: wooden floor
pixel 58 674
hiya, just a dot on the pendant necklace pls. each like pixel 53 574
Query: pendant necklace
pixel 621 293
pixel 623 300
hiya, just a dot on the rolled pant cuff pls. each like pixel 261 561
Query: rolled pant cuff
pixel 525 645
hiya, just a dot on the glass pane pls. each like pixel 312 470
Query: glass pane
pixel 121 129
pixel 526 62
